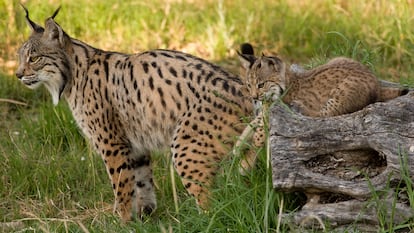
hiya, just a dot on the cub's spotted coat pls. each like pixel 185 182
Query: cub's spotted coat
pixel 129 105
pixel 338 87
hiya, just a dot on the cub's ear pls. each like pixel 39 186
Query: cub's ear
pixel 246 48
pixel 54 33
pixel 246 55
pixel 278 65
pixel 246 60
pixel 35 27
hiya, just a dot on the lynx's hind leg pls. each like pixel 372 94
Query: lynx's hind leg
pixel 259 139
pixel 255 134
pixel 250 155
pixel 352 95
pixel 197 149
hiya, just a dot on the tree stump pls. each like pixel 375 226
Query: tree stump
pixel 355 169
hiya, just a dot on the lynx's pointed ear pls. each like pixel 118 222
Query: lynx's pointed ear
pixel 278 65
pixel 246 48
pixel 55 13
pixel 246 60
pixel 54 33
pixel 35 27
pixel 246 55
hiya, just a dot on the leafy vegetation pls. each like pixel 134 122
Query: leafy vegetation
pixel 53 182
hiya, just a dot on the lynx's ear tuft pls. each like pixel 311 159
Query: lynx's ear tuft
pixel 54 33
pixel 55 13
pixel 246 55
pixel 35 27
pixel 247 49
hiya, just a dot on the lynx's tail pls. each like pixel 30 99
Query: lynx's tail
pixel 390 90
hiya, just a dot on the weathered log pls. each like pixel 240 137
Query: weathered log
pixel 348 166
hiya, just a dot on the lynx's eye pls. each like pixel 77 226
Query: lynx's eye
pixel 34 59
pixel 260 85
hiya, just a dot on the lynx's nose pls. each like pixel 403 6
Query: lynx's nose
pixel 19 74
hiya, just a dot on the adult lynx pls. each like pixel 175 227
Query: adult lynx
pixel 130 105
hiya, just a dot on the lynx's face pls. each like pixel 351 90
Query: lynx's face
pixel 265 77
pixel 42 59
pixel 36 67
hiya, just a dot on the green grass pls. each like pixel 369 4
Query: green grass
pixel 53 182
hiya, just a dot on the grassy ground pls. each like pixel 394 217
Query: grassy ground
pixel 53 182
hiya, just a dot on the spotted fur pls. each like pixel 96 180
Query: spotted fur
pixel 338 87
pixel 129 105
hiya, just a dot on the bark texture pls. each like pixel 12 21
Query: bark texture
pixel 349 166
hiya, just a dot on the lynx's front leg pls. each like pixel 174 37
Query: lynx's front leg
pixel 132 182
pixel 130 174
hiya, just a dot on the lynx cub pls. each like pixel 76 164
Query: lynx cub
pixel 338 87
